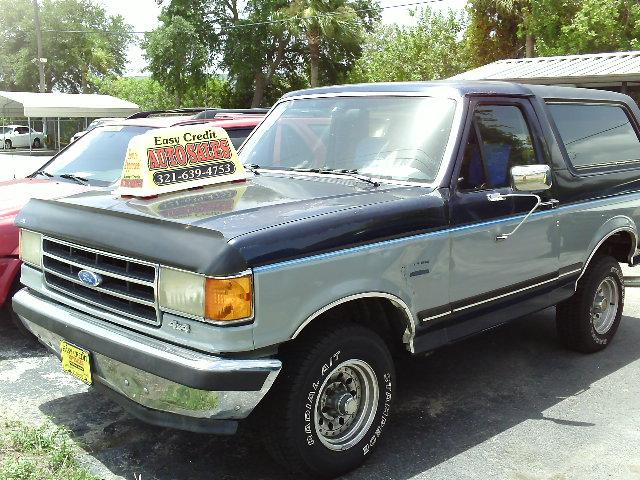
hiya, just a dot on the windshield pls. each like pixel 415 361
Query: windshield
pixel 97 156
pixel 396 138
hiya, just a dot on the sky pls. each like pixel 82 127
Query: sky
pixel 143 16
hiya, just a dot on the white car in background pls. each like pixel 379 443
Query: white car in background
pixel 20 136
pixel 96 123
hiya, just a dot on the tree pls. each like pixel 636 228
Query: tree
pixel 429 50
pixel 258 48
pixel 494 30
pixel 79 40
pixel 319 21
pixel 586 26
pixel 263 44
pixel 143 91
pixel 176 56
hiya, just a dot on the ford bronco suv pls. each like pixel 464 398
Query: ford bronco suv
pixel 376 219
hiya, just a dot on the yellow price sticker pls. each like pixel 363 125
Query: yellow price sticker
pixel 76 361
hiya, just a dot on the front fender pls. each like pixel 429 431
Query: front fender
pixel 290 297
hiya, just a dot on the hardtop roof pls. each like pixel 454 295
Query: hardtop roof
pixel 461 88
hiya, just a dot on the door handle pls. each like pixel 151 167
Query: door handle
pixel 551 204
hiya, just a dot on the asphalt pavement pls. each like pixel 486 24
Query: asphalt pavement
pixel 507 404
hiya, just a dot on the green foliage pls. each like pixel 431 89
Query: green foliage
pixel 585 26
pixel 324 22
pixel 149 94
pixel 177 57
pixel 494 30
pixel 38 453
pixel 97 49
pixel 497 28
pixel 146 92
pixel 256 53
pixel 270 46
pixel 429 50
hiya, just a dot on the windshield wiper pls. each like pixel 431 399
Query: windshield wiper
pixel 75 178
pixel 349 173
pixel 42 172
pixel 252 167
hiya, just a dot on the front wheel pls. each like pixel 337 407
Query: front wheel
pixel 37 143
pixel 331 402
pixel 588 321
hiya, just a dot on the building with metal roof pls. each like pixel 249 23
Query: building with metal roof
pixel 619 71
pixel 54 106
pixel 29 104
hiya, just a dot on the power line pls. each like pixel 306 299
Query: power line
pixel 270 22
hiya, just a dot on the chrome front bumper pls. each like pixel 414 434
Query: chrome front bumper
pixel 150 373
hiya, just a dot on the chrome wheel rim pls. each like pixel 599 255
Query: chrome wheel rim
pixel 605 305
pixel 346 404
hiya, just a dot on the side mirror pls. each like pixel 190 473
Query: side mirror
pixel 531 178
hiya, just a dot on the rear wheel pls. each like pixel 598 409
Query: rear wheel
pixel 588 321
pixel 331 402
pixel 8 145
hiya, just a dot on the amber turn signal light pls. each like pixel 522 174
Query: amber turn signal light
pixel 229 299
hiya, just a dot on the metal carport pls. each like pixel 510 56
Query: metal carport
pixel 619 71
pixel 63 105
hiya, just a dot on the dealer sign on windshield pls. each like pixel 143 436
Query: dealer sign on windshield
pixel 177 158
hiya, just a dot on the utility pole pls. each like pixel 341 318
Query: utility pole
pixel 40 60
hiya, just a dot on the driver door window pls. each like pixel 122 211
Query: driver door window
pixel 499 139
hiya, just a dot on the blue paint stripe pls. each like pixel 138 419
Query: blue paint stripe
pixel 447 231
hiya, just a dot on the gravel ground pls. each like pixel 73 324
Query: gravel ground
pixel 507 404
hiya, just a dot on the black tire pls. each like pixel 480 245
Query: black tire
pixel 579 326
pixel 8 145
pixel 37 143
pixel 289 418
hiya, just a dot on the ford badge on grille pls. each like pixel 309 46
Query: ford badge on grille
pixel 90 278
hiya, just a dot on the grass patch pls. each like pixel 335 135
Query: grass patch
pixel 38 453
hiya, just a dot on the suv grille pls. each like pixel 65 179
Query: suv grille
pixel 128 286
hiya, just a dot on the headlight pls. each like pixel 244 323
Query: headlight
pixel 209 299
pixel 181 291
pixel 31 248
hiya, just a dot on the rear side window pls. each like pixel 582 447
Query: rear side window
pixel 596 135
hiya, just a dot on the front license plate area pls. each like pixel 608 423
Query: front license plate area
pixel 76 361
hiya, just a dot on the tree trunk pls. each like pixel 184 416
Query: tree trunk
pixel 530 46
pixel 258 93
pixel 83 78
pixel 313 37
pixel 262 81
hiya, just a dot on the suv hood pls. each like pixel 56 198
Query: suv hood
pixel 269 217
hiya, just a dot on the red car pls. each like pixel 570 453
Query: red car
pixel 94 161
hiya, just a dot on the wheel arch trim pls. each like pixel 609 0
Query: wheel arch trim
pixel 629 229
pixel 397 301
